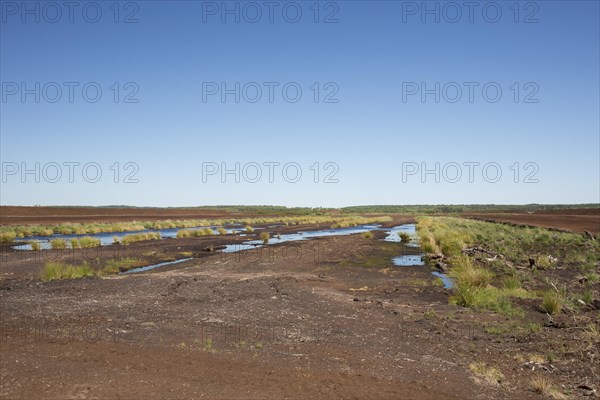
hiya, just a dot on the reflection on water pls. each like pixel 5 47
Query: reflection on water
pixel 292 237
pixel 253 244
pixel 394 234
pixel 406 260
pixel 448 284
pixel 107 238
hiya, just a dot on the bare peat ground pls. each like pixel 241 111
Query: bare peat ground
pixel 575 220
pixel 13 215
pixel 327 318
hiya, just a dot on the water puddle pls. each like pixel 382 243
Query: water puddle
pixel 394 234
pixel 447 282
pixel 306 235
pixel 108 238
pixel 414 259
pixel 253 244
pixel 233 248
pixel 408 260
pixel 149 267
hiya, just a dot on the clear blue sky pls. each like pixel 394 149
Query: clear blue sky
pixel 369 55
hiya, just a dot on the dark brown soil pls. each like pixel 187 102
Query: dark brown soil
pixel 326 318
pixel 13 215
pixel 569 220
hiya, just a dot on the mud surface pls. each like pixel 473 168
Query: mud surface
pixel 568 220
pixel 326 318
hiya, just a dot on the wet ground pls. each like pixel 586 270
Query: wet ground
pixel 331 317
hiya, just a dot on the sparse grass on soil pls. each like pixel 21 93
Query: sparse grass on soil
pixel 543 385
pixel 486 374
pixel 396 316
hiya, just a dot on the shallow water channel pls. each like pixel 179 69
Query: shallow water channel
pixel 107 238
pixel 393 235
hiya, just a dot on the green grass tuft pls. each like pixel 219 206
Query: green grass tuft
pixel 7 237
pixel 466 273
pixel 552 302
pixel 139 237
pixel 264 236
pixel 184 233
pixel 88 242
pixel 57 270
pixel 404 237
pixel 368 235
pixel 58 244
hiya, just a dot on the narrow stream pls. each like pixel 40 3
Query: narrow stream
pixel 447 281
pixel 149 267
pixel 393 235
pixel 306 235
pixel 292 237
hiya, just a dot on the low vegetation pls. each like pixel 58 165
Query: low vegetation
pixel 115 266
pixel 186 233
pixel 140 237
pixel 552 302
pixel 405 237
pixel 9 232
pixel 88 242
pixel 489 262
pixel 58 244
pixel 542 385
pixel 57 270
pixel 7 236
pixel 264 236
pixel 486 374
